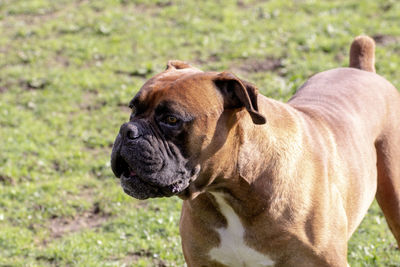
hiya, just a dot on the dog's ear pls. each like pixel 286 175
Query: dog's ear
pixel 238 93
pixel 177 64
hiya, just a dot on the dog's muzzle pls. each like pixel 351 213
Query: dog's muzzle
pixel 148 165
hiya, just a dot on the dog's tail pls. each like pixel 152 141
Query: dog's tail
pixel 362 53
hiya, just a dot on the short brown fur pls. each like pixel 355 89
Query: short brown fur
pixel 302 182
pixel 362 53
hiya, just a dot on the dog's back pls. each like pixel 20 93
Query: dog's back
pixel 360 107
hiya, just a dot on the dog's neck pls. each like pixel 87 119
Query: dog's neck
pixel 281 142
pixel 277 140
pixel 240 177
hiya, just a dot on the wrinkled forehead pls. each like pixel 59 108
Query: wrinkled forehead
pixel 166 79
pixel 184 85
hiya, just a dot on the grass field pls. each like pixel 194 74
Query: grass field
pixel 67 72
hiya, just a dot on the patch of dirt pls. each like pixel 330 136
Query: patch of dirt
pixel 241 4
pixel 47 14
pixel 62 60
pixel 143 73
pixel 90 101
pixel 60 226
pixel 256 65
pixel 151 9
pixel 34 84
pixel 383 39
pixel 6 180
pixel 4 86
pixel 340 57
pixel 212 58
pixel 386 6
pixel 49 259
pixel 133 257
pixel 164 3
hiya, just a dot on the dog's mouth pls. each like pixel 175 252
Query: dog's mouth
pixel 141 187
pixel 136 187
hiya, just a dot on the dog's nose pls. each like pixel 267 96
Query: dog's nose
pixel 130 131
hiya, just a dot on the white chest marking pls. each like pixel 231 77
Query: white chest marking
pixel 232 250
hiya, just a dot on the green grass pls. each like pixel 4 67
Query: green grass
pixel 67 72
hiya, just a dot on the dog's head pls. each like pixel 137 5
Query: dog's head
pixel 180 118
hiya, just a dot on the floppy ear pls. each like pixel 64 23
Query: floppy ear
pixel 238 93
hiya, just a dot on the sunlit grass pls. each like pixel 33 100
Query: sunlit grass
pixel 67 72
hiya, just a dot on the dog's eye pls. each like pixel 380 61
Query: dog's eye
pixel 171 120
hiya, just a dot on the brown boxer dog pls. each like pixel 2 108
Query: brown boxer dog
pixel 266 183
